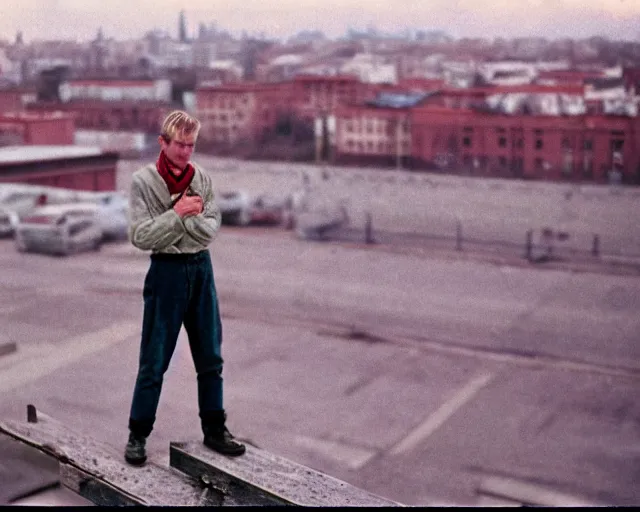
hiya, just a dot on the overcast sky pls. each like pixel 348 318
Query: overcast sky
pixel 125 19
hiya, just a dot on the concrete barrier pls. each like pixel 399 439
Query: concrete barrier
pixel 196 475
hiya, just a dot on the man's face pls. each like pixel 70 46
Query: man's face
pixel 179 149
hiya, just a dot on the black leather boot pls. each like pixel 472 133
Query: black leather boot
pixel 217 436
pixel 134 452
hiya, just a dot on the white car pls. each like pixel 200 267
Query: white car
pixel 17 200
pixel 241 209
pixel 60 229
pixel 112 215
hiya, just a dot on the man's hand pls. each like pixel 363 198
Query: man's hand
pixel 188 205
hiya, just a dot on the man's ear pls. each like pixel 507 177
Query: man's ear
pixel 161 141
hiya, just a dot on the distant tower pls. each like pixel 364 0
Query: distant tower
pixel 182 27
pixel 19 38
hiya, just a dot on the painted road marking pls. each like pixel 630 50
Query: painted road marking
pixel 437 419
pixel 36 361
pixel 351 456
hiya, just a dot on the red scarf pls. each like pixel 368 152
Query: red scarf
pixel 176 184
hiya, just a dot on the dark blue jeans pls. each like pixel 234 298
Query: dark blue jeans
pixel 178 289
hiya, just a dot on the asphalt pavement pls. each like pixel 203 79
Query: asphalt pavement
pixel 422 378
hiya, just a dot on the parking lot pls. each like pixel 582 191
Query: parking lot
pixel 422 379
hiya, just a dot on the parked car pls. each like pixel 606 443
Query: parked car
pixel 17 199
pixel 20 199
pixel 113 215
pixel 8 221
pixel 60 229
pixel 240 209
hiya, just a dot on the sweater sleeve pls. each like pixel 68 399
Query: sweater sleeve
pixel 204 227
pixel 146 231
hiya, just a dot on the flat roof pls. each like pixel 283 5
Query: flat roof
pixel 37 153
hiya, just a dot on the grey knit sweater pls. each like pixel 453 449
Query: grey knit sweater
pixel 155 226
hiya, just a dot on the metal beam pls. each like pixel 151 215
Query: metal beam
pixel 196 476
pixel 94 471
pixel 267 479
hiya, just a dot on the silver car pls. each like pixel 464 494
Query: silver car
pixel 20 199
pixel 60 229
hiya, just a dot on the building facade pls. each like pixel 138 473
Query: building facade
pixel 372 135
pixel 110 115
pixel 35 128
pixel 59 166
pixel 553 148
pixel 233 114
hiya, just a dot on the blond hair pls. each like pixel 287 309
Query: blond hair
pixel 179 122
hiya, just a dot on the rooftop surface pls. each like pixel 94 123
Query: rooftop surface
pixel 21 154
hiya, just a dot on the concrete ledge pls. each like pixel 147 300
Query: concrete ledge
pixel 267 479
pixel 196 476
pixel 93 471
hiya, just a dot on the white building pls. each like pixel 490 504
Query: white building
pixel 116 90
pixel 371 68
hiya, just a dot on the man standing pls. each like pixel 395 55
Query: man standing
pixel 173 214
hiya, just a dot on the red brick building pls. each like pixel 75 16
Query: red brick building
pixel 448 129
pixel 118 115
pixel 571 148
pixel 16 99
pixel 245 111
pixel 35 128
pixel 372 135
pixel 71 167
pixel 315 96
pixel 233 114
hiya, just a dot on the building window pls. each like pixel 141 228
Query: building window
pixel 567 163
pixel 587 166
pixel 539 144
pixel 466 141
pixel 537 163
pixel 467 129
pixel 380 147
pixel 502 161
pixel 617 145
pixel 502 142
pixel 566 143
pixel 517 165
pixel 390 129
pixel 587 145
pixel 369 146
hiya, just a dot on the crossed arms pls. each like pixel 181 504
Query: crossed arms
pixel 193 222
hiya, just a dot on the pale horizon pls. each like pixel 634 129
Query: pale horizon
pixel 80 20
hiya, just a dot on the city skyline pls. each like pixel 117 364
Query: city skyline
pixel 80 20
